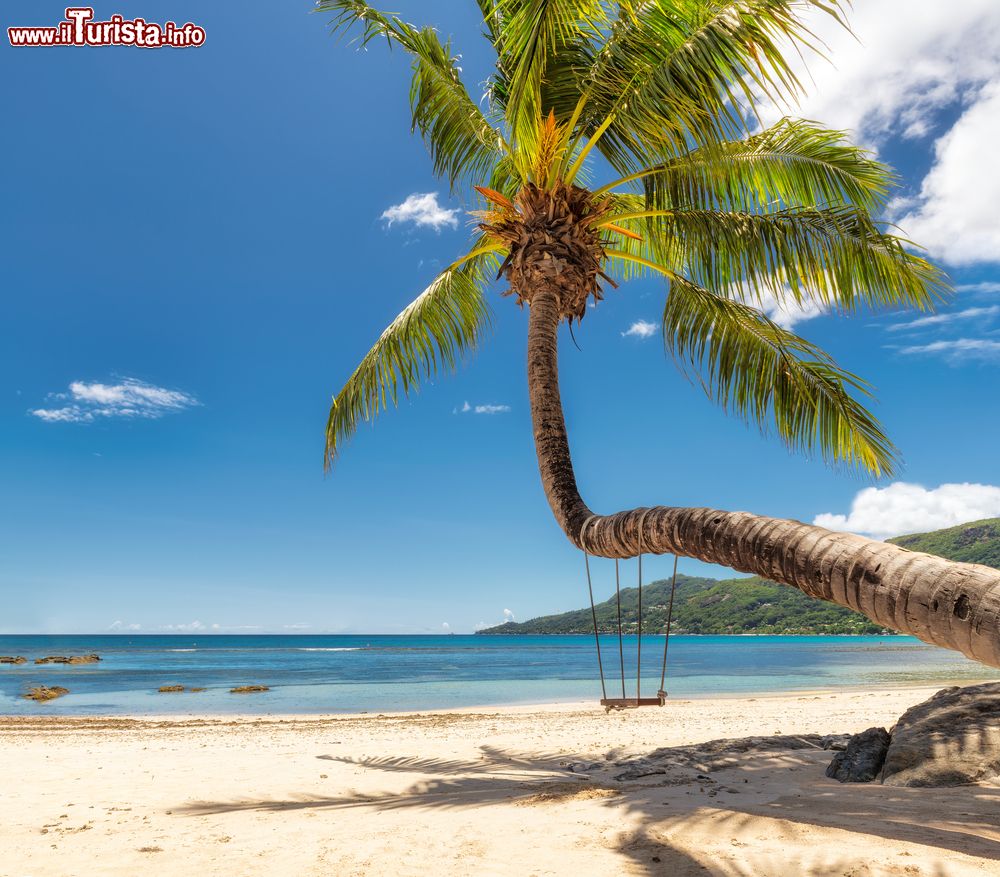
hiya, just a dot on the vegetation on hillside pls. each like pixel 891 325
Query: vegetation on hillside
pixel 755 605
pixel 707 606
pixel 975 542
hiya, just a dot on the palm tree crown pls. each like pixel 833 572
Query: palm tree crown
pixel 660 97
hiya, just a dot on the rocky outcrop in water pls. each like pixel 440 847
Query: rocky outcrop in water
pixel 12 659
pixel 43 693
pixel 248 689
pixel 71 659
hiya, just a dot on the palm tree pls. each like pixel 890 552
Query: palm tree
pixel 659 99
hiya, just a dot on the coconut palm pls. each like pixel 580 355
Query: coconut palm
pixel 622 139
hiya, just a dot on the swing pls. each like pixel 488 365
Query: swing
pixel 624 702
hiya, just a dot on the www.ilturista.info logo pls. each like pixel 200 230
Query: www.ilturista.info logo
pixel 80 29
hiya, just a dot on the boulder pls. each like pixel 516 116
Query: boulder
pixel 949 740
pixel 862 759
pixel 42 693
pixel 12 659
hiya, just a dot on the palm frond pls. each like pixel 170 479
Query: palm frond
pixel 691 70
pixel 537 37
pixel 773 378
pixel 793 163
pixel 835 255
pixel 434 331
pixel 462 142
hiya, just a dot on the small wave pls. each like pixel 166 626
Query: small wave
pixel 342 649
pixel 182 650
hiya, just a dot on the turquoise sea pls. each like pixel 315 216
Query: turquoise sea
pixel 330 674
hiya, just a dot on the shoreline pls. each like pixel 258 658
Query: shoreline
pixel 539 706
pixel 920 691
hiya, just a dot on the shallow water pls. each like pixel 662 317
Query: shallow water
pixel 328 674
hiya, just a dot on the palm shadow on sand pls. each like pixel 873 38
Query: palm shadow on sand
pixel 733 786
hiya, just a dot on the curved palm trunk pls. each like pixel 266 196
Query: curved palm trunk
pixel 949 604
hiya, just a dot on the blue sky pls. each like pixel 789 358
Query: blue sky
pixel 195 256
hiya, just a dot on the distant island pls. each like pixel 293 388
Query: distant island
pixel 755 605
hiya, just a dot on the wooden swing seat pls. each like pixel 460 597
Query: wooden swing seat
pixel 630 703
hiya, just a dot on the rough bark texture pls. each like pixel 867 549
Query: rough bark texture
pixel 949 604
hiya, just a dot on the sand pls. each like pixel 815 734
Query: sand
pixel 507 790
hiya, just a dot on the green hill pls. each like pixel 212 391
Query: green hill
pixel 755 605
pixel 977 542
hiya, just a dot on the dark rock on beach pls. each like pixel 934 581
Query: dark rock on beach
pixel 12 659
pixel 862 759
pixel 170 689
pixel 248 689
pixel 41 693
pixel 949 740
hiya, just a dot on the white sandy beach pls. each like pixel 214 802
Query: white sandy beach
pixel 482 791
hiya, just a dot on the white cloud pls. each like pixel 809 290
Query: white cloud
pixel 904 66
pixel 445 626
pixel 957 349
pixel 987 286
pixel 903 508
pixel 191 627
pixel 641 329
pixel 787 312
pixel 422 209
pixel 508 617
pixel 781 307
pixel 942 319
pixel 121 625
pixel 954 216
pixel 130 399
pixel 66 414
pixel 481 409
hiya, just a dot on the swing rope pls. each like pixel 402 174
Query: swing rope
pixel 638 657
pixel 661 694
pixel 626 702
pixel 593 612
pixel 621 647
